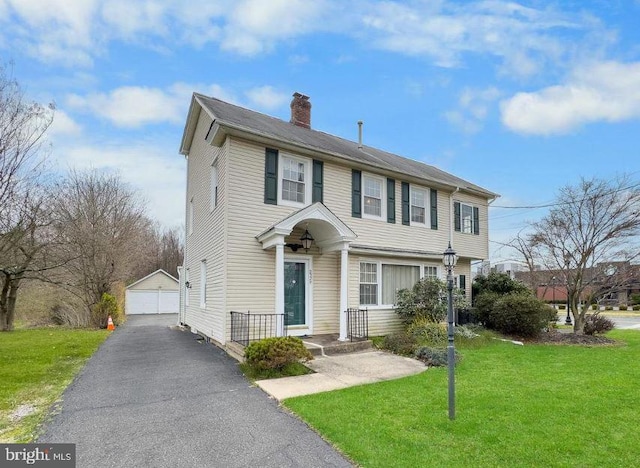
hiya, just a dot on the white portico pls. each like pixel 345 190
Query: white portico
pixel 329 234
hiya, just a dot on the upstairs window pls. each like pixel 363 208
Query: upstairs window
pixel 418 206
pixel 295 181
pixel 466 218
pixel 372 196
pixel 214 186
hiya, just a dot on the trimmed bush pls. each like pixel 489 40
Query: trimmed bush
pixel 562 307
pixel 424 300
pixel 594 307
pixel 521 315
pixel 622 307
pixel 434 357
pixel 608 308
pixel 428 333
pixel 401 343
pixel 276 353
pixel 636 307
pixel 484 307
pixel 596 323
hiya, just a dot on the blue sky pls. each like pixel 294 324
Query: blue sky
pixel 519 97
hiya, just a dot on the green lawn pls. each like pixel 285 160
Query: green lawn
pixel 537 405
pixel 37 365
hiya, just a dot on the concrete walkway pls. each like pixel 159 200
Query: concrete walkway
pixel 158 397
pixel 341 371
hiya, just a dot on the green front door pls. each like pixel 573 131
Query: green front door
pixel 294 293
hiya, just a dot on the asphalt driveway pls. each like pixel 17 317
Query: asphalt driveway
pixel 156 397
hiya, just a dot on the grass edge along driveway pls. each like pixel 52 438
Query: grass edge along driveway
pixel 37 366
pixel 532 405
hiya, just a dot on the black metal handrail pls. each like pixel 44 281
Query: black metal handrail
pixel 357 324
pixel 247 327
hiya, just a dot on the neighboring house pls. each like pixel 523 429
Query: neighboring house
pixel 258 187
pixel 607 283
pixel 156 293
pixel 509 268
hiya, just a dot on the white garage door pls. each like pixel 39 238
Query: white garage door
pixel 152 302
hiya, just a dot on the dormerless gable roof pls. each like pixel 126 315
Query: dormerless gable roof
pixel 243 120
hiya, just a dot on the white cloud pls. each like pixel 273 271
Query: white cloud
pixel 63 125
pixel 603 91
pixel 472 110
pixel 267 97
pixel 523 38
pixel 134 106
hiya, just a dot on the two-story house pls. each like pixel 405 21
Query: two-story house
pixel 284 219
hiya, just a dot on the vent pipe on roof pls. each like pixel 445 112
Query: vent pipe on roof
pixel 360 122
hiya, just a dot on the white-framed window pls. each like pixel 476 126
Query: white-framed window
pixel 373 197
pixel 419 202
pixel 466 218
pixel 430 271
pixel 380 281
pixel 368 283
pixel 203 284
pixel 190 217
pixel 295 180
pixel 214 185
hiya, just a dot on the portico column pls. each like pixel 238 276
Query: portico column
pixel 280 284
pixel 344 291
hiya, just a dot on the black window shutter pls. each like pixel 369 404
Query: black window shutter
pixel 434 209
pixel 356 193
pixel 476 220
pixel 318 168
pixel 462 279
pixel 405 203
pixel 271 176
pixel 456 216
pixel 391 201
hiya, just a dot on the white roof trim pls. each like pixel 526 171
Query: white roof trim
pixel 153 274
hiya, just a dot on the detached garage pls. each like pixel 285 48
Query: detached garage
pixel 157 293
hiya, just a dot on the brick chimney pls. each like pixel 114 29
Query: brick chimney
pixel 301 110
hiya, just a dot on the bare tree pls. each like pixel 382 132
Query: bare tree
pixel 101 220
pixel 159 248
pixel 23 219
pixel 592 227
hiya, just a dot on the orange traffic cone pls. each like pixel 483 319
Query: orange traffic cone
pixel 110 325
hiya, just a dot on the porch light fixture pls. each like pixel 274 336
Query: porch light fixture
pixel 306 239
pixel 449 258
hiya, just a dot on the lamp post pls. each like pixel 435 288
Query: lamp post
pixel 567 258
pixel 553 285
pixel 449 259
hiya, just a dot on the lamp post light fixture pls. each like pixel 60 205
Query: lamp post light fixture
pixel 449 259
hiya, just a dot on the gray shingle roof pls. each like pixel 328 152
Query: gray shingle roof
pixel 230 114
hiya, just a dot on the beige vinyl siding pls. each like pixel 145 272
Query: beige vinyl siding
pixel 472 245
pixel 209 235
pixel 378 233
pixel 251 270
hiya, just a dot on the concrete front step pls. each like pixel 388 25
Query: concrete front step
pixel 338 348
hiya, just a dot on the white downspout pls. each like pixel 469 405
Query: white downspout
pixel 451 213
